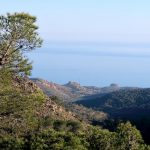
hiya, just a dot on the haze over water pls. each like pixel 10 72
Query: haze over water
pixel 92 42
pixel 96 64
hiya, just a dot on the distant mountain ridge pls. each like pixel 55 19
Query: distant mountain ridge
pixel 73 90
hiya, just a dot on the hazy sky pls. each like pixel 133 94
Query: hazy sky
pixel 94 42
pixel 88 20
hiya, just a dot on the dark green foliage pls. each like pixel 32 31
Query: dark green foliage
pixel 47 122
pixel 69 126
pixel 73 126
pixel 100 139
pixel 54 140
pixel 86 114
pixel 132 105
pixel 18 111
pixel 11 143
pixel 17 107
pixel 120 99
pixel 128 137
pixel 59 125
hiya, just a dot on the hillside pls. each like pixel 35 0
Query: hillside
pixel 31 120
pixel 119 99
pixel 86 114
pixel 53 89
pixel 72 90
pixel 82 113
pixel 49 108
pixel 133 105
pixel 22 100
pixel 129 104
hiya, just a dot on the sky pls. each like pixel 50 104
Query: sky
pixel 88 20
pixel 108 40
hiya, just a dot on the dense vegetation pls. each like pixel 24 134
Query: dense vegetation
pixel 133 105
pixel 82 113
pixel 27 122
pixel 120 99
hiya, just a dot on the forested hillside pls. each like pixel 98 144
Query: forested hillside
pixel 123 99
pixel 29 119
pixel 133 105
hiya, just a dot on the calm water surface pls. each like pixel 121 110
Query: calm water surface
pixel 93 65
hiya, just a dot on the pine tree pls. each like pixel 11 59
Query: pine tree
pixel 18 34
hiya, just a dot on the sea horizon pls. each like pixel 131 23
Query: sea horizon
pixel 93 64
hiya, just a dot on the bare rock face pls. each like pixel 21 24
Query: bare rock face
pixel 72 84
pixel 72 90
pixel 25 84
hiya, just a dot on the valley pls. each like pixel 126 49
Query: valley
pixel 104 106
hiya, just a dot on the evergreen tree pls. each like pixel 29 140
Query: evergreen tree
pixel 18 34
pixel 128 137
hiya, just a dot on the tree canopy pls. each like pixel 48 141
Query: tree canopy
pixel 18 34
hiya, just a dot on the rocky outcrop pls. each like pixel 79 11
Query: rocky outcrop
pixel 72 90
pixel 52 110
pixel 74 85
pixel 25 84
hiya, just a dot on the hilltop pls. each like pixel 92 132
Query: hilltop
pixel 72 91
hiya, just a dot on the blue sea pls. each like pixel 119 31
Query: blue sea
pixel 93 64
